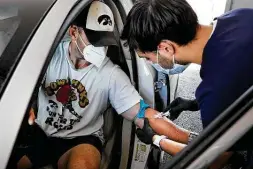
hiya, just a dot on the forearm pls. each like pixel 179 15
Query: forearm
pixel 161 126
pixel 171 147
pixel 164 126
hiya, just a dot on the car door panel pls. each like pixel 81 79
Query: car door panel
pixel 20 87
pixel 222 144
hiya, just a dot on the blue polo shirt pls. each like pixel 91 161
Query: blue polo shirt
pixel 227 65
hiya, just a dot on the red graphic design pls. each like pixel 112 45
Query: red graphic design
pixel 63 94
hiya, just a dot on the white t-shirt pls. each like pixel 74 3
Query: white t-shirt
pixel 71 102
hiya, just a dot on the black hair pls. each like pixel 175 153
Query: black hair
pixel 151 21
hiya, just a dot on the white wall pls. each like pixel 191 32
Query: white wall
pixel 233 4
pixel 203 9
pixel 208 9
pixel 218 7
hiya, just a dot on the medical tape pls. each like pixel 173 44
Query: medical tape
pixel 141 113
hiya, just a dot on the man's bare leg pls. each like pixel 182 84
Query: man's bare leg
pixel 164 126
pixel 83 156
pixel 24 163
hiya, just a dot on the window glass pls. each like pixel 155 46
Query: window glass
pixel 9 22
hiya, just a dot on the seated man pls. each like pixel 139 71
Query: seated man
pixel 79 84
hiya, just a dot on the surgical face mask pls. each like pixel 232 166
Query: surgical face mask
pixel 92 54
pixel 176 68
pixel 166 64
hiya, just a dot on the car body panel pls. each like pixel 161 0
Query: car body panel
pixel 21 85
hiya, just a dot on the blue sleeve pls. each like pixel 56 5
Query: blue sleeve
pixel 216 94
pixel 210 105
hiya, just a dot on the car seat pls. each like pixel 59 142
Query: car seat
pixel 112 128
pixel 112 121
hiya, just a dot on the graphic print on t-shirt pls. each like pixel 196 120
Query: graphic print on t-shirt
pixel 66 92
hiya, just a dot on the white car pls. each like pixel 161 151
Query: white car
pixel 31 30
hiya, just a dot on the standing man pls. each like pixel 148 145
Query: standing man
pixel 167 32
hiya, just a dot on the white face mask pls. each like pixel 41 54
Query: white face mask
pixel 176 68
pixel 92 54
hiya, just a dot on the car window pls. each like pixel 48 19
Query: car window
pixel 18 22
pixel 9 22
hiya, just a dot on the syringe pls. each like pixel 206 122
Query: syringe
pixel 162 114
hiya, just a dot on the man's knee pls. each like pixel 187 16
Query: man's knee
pixel 83 156
pixel 24 163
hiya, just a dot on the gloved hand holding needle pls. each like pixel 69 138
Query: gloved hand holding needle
pixel 179 105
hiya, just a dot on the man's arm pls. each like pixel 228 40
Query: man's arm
pixel 126 101
pixel 147 135
pixel 173 148
pixel 170 146
pixel 162 126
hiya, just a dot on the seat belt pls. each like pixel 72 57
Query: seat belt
pixel 162 91
pixel 162 100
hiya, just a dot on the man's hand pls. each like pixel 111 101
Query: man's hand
pixel 179 105
pixel 146 133
pixel 32 117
